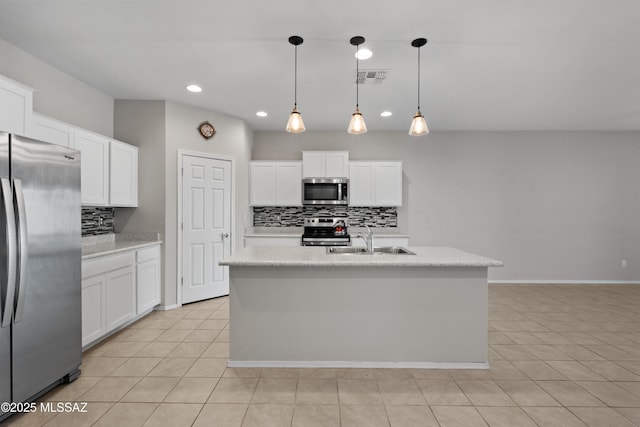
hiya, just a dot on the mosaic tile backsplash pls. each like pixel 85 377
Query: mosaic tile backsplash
pixel 279 216
pixel 97 221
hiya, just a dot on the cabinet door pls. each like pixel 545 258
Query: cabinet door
pixel 50 130
pixel 123 174
pixel 147 279
pixel 361 179
pixel 336 164
pixel 148 289
pixel 95 167
pixel 388 184
pixel 263 184
pixel 16 104
pixel 289 184
pixel 120 297
pixel 313 164
pixel 93 314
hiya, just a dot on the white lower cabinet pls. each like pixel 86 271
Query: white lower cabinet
pixel 117 289
pixel 148 273
pixel 120 296
pixel 94 321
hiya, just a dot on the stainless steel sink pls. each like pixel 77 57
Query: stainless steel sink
pixel 354 250
pixel 396 250
pixel 346 250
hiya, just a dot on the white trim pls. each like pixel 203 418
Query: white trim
pixel 566 282
pixel 340 364
pixel 213 156
pixel 165 307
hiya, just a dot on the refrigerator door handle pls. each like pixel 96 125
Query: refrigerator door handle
pixel 12 252
pixel 23 253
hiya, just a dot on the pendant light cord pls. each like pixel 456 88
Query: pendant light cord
pixel 418 79
pixel 295 79
pixel 357 76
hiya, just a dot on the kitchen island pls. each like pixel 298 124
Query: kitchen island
pixel 302 307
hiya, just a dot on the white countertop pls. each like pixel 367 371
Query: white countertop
pixel 306 256
pixel 108 244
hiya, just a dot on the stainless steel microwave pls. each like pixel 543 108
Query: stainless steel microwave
pixel 325 191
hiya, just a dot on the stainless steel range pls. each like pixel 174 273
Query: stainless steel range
pixel 325 232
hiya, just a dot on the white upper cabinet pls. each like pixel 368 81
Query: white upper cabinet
pixel 50 130
pixel 289 183
pixel 375 183
pixel 262 181
pixel 361 183
pixel 275 183
pixel 123 174
pixel 325 164
pixel 16 105
pixel 94 151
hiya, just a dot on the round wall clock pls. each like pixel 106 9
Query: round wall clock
pixel 207 130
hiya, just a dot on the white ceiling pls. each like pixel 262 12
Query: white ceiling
pixel 488 65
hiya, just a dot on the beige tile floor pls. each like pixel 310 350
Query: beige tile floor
pixel 560 355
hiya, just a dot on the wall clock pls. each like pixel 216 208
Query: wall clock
pixel 207 130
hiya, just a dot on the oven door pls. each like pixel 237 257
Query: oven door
pixel 326 241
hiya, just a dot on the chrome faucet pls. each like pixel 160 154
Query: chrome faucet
pixel 368 239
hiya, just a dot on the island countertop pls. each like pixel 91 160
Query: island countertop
pixel 307 256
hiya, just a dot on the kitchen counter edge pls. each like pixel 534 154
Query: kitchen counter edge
pixel 427 256
pixel 109 248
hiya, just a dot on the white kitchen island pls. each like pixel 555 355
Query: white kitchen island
pixel 302 307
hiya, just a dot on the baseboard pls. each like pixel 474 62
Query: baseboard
pixel 166 307
pixel 342 364
pixel 566 282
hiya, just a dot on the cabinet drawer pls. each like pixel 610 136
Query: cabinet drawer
pixel 148 254
pixel 107 263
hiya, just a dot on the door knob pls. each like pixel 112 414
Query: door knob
pixel 225 235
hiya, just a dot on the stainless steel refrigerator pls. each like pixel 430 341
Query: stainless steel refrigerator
pixel 40 280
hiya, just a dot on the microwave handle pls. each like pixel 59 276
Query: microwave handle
pixel 339 191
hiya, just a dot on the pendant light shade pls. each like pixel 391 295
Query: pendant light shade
pixel 357 125
pixel 419 124
pixel 295 123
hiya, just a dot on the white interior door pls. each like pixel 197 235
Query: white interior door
pixel 206 227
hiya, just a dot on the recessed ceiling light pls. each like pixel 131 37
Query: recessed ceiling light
pixel 386 114
pixel 262 114
pixel 364 53
pixel 194 88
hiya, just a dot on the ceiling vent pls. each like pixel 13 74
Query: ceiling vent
pixel 371 76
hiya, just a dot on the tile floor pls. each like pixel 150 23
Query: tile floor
pixel 561 355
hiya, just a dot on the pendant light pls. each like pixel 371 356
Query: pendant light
pixel 295 123
pixel 357 125
pixel 419 124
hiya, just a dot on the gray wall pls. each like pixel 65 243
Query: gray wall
pixel 57 94
pixel 233 138
pixel 160 129
pixel 142 123
pixel 551 205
